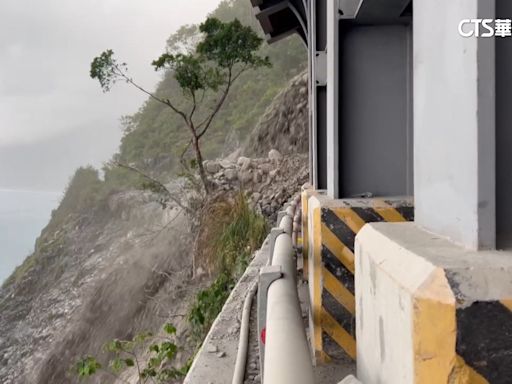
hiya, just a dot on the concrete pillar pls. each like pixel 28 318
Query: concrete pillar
pixel 454 123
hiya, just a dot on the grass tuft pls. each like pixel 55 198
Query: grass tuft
pixel 236 233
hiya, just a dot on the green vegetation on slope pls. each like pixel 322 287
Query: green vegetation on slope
pixel 155 137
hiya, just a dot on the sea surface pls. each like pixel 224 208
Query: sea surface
pixel 23 214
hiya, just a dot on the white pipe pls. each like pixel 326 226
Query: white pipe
pixel 287 357
pixel 290 362
pixel 243 342
pixel 286 225
pixel 241 358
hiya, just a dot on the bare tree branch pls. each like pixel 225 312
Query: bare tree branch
pixel 207 122
pixel 166 102
pixel 194 107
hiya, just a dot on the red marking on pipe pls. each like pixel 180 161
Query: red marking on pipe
pixel 263 335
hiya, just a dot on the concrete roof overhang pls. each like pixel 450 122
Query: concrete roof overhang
pixel 383 11
pixel 281 18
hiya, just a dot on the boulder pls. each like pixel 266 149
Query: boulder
pixel 230 174
pixel 212 167
pixel 244 163
pixel 266 167
pixel 245 176
pixel 226 164
pixel 257 177
pixel 272 174
pixel 275 155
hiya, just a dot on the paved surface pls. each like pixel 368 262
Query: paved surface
pixel 215 361
pixel 337 369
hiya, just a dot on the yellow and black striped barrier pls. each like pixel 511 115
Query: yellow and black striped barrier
pixel 484 342
pixel 329 237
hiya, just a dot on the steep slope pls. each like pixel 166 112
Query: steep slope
pixel 155 136
pixel 113 261
pixel 284 125
pixel 122 267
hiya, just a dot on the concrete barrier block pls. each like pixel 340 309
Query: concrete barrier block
pixel 429 311
pixel 332 228
pixel 350 380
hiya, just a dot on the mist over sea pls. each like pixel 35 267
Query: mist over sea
pixel 23 214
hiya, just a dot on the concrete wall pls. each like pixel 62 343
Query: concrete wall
pixel 375 111
pixel 454 172
pixel 503 132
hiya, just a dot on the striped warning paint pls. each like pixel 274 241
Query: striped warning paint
pixel 484 341
pixel 333 249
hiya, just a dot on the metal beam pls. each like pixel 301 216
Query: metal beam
pixel 376 11
pixel 332 98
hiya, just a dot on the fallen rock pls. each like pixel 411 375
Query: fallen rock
pixel 231 174
pixel 226 164
pixel 212 167
pixel 275 155
pixel 245 176
pixel 244 163
pixel 257 177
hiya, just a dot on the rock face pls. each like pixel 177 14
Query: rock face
pixel 107 273
pixel 270 181
pixel 284 126
pixel 125 266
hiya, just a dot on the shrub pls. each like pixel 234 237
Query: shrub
pixel 237 231
pixel 156 367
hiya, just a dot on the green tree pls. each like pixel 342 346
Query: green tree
pixel 225 51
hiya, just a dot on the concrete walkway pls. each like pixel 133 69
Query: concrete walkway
pixel 215 361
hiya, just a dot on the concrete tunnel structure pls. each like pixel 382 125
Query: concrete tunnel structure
pixel 407 225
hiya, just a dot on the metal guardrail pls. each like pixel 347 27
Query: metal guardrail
pixel 284 352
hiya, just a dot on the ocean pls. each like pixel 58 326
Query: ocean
pixel 23 214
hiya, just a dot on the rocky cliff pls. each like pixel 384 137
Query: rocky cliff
pixel 123 263
pixel 121 268
pixel 284 125
pixel 101 274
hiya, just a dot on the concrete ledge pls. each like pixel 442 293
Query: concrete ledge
pixel 215 361
pixel 421 304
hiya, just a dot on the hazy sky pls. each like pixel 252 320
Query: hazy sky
pixel 53 117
